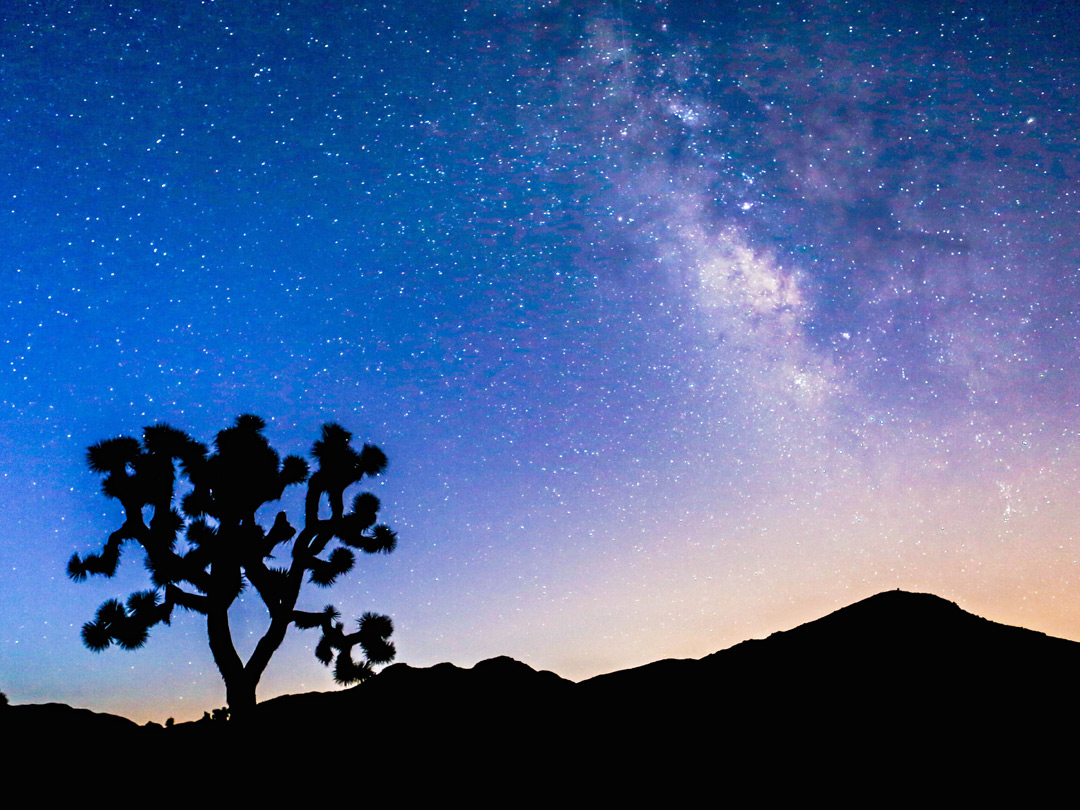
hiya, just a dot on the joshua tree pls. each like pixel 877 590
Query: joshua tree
pixel 203 555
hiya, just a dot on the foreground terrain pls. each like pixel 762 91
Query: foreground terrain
pixel 899 688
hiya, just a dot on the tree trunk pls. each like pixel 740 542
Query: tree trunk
pixel 240 695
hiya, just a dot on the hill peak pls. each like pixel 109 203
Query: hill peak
pixel 890 611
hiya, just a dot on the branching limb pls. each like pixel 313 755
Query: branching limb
pixel 373 637
pixel 188 601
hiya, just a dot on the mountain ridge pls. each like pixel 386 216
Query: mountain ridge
pixel 881 678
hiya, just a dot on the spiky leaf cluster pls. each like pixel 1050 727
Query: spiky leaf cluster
pixel 244 473
pixel 127 626
pixel 336 646
pixel 339 464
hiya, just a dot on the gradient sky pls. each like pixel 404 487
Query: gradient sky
pixel 680 322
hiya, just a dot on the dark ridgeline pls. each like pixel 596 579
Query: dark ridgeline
pixel 204 544
pixel 895 693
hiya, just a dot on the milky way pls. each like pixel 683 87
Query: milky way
pixel 679 324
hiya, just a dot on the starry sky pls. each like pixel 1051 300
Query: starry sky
pixel 680 322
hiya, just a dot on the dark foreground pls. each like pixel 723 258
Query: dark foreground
pixel 899 694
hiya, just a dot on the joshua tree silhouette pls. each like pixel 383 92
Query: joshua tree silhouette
pixel 201 556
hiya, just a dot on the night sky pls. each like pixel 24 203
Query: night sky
pixel 680 323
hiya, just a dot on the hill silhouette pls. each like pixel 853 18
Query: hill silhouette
pixel 896 681
pixel 892 653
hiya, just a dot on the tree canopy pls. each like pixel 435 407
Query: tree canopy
pixel 193 511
